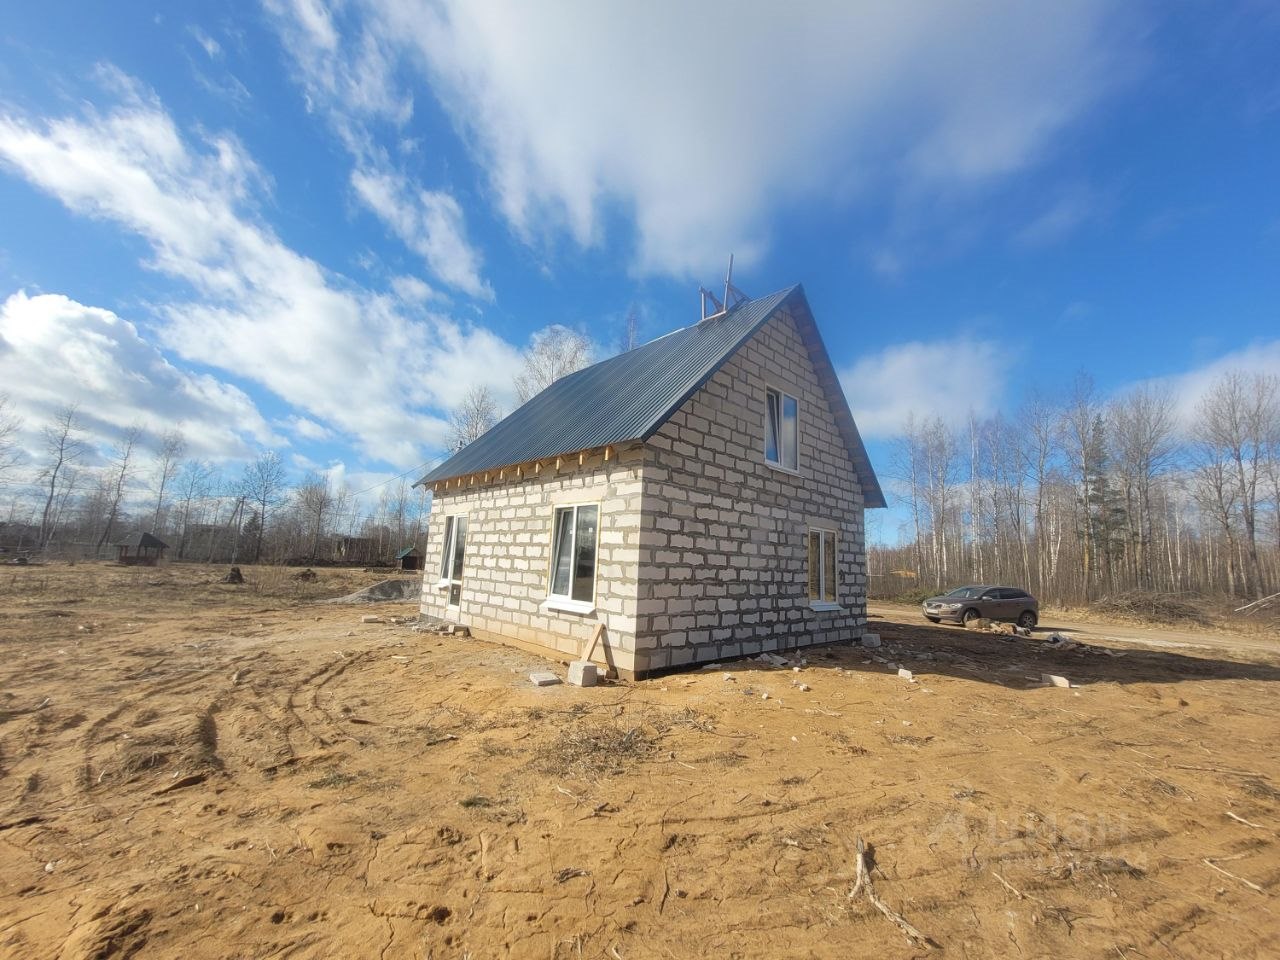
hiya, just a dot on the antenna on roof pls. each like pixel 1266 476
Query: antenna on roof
pixel 732 295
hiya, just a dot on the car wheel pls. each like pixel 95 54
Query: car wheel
pixel 970 615
pixel 932 619
pixel 1028 619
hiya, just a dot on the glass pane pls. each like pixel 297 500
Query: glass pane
pixel 829 567
pixel 771 427
pixel 790 433
pixel 815 563
pixel 459 545
pixel 560 550
pixel 445 548
pixel 584 567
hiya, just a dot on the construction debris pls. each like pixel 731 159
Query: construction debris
pixel 385 591
pixel 1054 680
pixel 543 678
pixel 871 640
pixel 1056 641
pixel 582 673
pixel 774 659
pixel 905 674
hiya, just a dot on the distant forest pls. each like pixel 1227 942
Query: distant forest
pixel 1074 497
pixel 56 506
pixel 1079 497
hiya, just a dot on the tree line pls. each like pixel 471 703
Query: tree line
pixel 1077 496
pixel 53 502
pixel 146 482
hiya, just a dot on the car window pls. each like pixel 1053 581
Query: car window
pixel 1019 595
pixel 964 593
pixel 1002 593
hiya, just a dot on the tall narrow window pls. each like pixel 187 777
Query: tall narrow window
pixel 573 553
pixel 782 429
pixel 446 555
pixel 822 566
pixel 452 555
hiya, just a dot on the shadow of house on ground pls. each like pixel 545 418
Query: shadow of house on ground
pixel 1017 662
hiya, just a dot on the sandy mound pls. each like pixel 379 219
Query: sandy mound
pixel 385 591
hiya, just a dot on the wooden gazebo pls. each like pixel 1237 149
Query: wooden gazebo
pixel 141 549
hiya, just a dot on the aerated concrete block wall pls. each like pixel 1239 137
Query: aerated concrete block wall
pixel 507 565
pixel 723 561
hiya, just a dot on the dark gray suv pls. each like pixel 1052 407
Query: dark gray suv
pixel 995 603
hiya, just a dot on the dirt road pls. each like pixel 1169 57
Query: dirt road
pixel 1094 631
pixel 212 771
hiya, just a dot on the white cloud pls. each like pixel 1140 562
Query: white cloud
pixel 349 78
pixel 413 290
pixel 942 378
pixel 1071 208
pixel 346 357
pixel 1259 357
pixel 308 429
pixel 55 351
pixel 428 222
pixel 211 47
pixel 703 120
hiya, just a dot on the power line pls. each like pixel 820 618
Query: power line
pixel 383 483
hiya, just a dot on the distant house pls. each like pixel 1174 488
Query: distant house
pixel 140 549
pixel 701 496
pixel 409 559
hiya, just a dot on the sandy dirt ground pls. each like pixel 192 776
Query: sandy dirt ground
pixel 192 769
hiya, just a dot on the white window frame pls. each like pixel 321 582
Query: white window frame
pixel 782 396
pixel 446 557
pixel 825 535
pixel 565 603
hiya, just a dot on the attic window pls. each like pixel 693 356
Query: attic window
pixel 782 429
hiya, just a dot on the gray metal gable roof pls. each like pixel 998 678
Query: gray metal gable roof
pixel 623 398
pixel 628 397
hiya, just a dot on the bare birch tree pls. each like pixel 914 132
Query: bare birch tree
pixel 1143 444
pixel 1237 423
pixel 316 504
pixel 10 425
pixel 168 458
pixel 63 447
pixel 263 485
pixel 473 417
pixel 554 353
pixel 116 477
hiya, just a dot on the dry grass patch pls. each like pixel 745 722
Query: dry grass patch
pixel 591 750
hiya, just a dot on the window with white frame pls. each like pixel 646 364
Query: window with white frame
pixel 573 553
pixel 451 556
pixel 782 429
pixel 822 567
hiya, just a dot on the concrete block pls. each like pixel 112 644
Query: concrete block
pixel 582 673
pixel 871 640
pixel 905 674
pixel 543 678
pixel 1054 680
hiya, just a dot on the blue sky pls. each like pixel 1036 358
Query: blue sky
pixel 314 226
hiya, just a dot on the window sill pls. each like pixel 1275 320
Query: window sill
pixel 825 606
pixel 790 471
pixel 565 605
